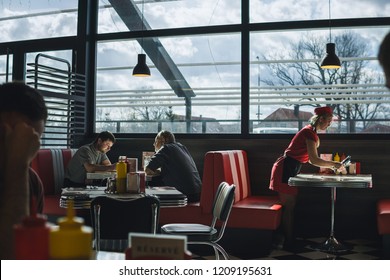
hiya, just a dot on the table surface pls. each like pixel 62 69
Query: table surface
pixel 331 180
pixel 101 175
pixel 168 196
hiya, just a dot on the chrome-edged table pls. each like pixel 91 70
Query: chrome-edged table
pixel 333 182
pixel 101 175
pixel 82 197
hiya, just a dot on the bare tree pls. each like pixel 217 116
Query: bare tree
pixel 170 115
pixel 301 72
pixel 123 118
pixel 144 111
pixel 150 113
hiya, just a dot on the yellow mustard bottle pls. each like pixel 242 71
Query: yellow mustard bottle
pixel 71 240
pixel 336 158
pixel 121 175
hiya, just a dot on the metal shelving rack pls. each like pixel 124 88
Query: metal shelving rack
pixel 65 96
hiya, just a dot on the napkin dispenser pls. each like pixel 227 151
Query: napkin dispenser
pixel 136 182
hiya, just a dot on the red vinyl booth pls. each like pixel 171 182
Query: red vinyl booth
pixel 50 166
pixel 383 222
pixel 249 211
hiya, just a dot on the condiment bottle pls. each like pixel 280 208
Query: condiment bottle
pixel 142 182
pixel 31 237
pixel 71 240
pixel 336 158
pixel 121 175
pixel 128 165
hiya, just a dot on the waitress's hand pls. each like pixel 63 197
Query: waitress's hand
pixel 339 168
pixel 342 170
pixel 336 165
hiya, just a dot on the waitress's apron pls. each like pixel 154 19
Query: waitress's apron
pixel 284 168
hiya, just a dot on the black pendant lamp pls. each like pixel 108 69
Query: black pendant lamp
pixel 330 60
pixel 141 69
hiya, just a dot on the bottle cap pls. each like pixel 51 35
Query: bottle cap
pixel 35 219
pixel 70 221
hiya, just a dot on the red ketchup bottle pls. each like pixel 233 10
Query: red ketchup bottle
pixel 31 238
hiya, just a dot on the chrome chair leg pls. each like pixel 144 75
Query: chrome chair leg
pixel 97 227
pixel 222 250
pixel 216 253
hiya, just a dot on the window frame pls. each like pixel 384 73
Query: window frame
pixel 84 44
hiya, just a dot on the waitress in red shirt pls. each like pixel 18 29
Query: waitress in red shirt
pixel 302 149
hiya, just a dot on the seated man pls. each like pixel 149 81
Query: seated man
pixel 88 159
pixel 176 166
pixel 23 115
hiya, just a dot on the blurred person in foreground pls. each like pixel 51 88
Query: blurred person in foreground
pixel 90 158
pixel 23 115
pixel 174 163
pixel 302 149
pixel 384 58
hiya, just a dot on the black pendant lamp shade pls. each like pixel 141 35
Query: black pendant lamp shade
pixel 141 69
pixel 330 61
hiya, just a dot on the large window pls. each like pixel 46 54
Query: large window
pixel 239 67
pixel 287 81
pixel 281 10
pixel 194 86
pixel 116 15
pixel 197 81
pixel 26 19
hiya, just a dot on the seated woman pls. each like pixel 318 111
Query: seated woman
pixel 174 163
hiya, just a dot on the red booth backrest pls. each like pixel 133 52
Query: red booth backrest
pixel 229 166
pixel 50 165
pixel 383 216
pixel 249 211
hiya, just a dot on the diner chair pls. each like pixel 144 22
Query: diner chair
pixel 113 219
pixel 204 234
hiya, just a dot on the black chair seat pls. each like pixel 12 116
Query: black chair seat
pixel 194 232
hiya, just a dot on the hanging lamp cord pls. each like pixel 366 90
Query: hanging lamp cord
pixel 330 26
pixel 142 27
